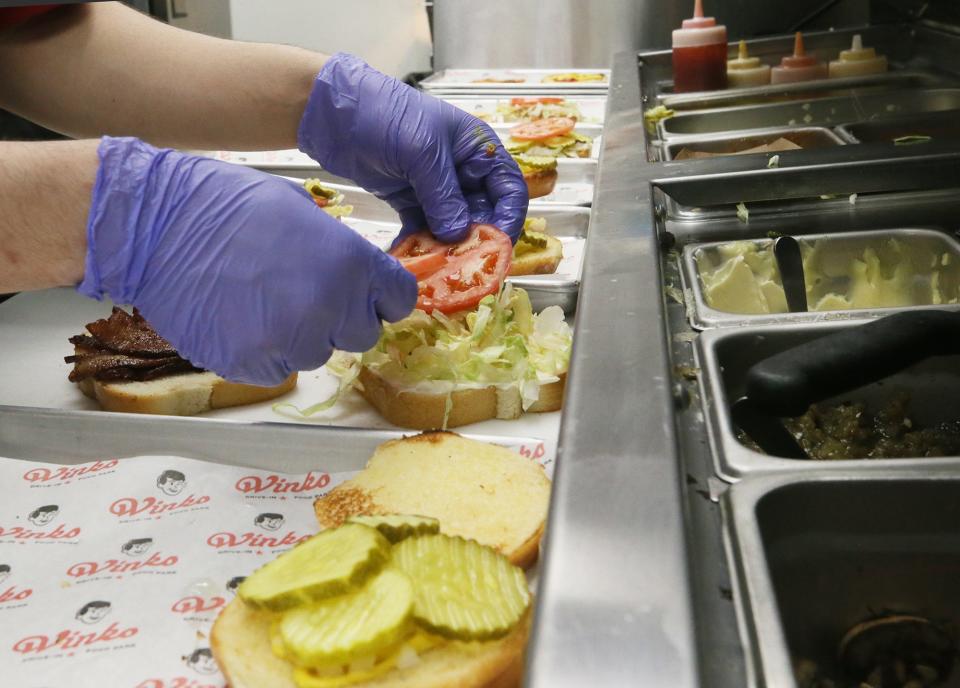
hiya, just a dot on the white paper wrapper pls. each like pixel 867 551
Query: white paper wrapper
pixel 112 572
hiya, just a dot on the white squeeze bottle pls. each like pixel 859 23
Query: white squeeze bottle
pixel 746 71
pixel 858 61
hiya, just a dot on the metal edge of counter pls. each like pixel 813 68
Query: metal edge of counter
pixel 615 605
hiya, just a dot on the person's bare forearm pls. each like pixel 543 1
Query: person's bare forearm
pixel 102 68
pixel 45 190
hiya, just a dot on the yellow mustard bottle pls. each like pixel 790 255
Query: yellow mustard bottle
pixel 744 71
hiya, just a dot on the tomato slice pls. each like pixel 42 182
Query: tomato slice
pixel 454 277
pixel 419 244
pixel 524 102
pixel 425 265
pixel 543 129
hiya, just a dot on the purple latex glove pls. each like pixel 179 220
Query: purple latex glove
pixel 438 166
pixel 237 269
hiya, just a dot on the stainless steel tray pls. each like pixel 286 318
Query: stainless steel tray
pixel 377 221
pixel 34 328
pixel 460 80
pixel 818 112
pixel 290 162
pixel 702 316
pixel 575 180
pixel 940 126
pixel 815 554
pixel 56 436
pixel 724 357
pixel 732 144
pixel 575 176
pixel 591 107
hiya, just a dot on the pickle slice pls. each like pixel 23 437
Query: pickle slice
pixel 397 527
pixel 330 563
pixel 462 590
pixel 358 624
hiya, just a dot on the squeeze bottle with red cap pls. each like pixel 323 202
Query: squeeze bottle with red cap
pixel 699 54
pixel 798 67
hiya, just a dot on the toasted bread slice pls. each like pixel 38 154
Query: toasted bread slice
pixel 421 411
pixel 240 642
pixel 541 262
pixel 476 490
pixel 540 182
pixel 179 395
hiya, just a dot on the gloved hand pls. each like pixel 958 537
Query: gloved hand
pixel 438 166
pixel 237 269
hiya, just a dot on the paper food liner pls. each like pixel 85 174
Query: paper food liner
pixel 113 572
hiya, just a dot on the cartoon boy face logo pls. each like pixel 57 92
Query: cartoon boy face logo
pixel 92 612
pixel 41 516
pixel 201 661
pixel 136 547
pixel 171 483
pixel 232 584
pixel 5 573
pixel 269 521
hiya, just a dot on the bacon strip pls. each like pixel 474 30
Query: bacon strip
pixel 124 347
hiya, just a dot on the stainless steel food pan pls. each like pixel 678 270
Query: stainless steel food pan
pixel 793 214
pixel 818 112
pixel 592 108
pixel 805 137
pixel 939 126
pixel 849 245
pixel 70 437
pixel 814 555
pixel 803 90
pixel 725 356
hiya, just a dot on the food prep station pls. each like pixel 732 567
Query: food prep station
pixel 44 418
pixel 674 555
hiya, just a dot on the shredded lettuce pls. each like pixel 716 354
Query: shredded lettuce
pixel 338 210
pixel 346 368
pixel 529 112
pixel 912 139
pixel 333 200
pixel 654 115
pixel 502 344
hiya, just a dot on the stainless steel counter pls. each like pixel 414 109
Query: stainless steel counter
pixel 615 605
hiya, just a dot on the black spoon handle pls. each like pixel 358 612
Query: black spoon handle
pixel 787 383
pixel 786 251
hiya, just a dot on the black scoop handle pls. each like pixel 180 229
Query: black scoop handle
pixel 787 383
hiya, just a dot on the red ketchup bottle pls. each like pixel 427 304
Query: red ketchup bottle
pixel 699 54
